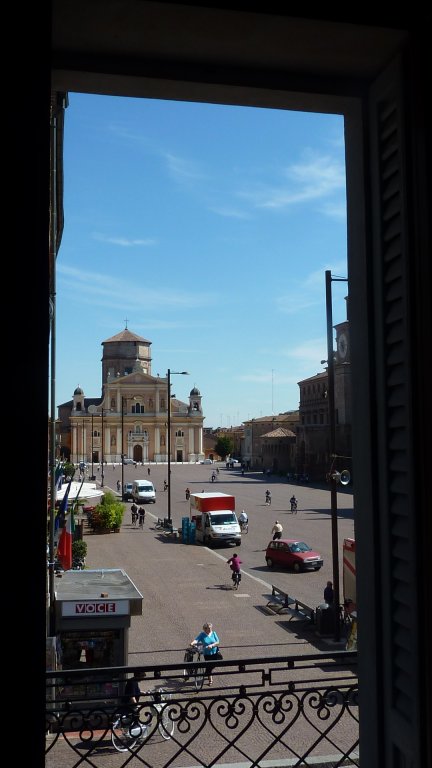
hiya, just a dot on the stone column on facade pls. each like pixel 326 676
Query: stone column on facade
pixel 191 441
pixel 200 440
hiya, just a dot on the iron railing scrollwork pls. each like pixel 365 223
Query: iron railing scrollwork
pixel 299 711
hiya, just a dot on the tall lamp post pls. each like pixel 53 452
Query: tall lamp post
pixel 92 409
pixel 122 445
pixel 103 451
pixel 333 476
pixel 169 374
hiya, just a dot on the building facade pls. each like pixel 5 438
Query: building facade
pixel 313 431
pixel 131 417
pixel 255 429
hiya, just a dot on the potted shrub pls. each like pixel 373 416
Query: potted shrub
pixel 109 513
pixel 79 551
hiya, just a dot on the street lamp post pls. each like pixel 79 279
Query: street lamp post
pixel 333 475
pixel 92 409
pixel 122 444
pixel 103 450
pixel 169 374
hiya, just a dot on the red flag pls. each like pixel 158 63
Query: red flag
pixel 64 549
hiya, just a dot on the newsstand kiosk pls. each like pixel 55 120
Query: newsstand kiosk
pixel 93 610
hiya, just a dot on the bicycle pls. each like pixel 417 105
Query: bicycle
pixel 293 507
pixel 198 672
pixel 236 577
pixel 244 527
pixel 127 730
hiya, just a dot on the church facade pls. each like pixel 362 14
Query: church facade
pixel 131 418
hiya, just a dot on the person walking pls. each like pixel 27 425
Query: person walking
pixel 165 485
pixel 277 530
pixel 118 485
pixel 328 593
pixel 209 639
pixel 148 470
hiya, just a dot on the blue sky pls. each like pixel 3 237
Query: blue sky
pixel 209 228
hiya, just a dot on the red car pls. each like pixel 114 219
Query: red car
pixel 293 554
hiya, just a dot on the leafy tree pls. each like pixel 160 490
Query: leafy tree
pixel 224 446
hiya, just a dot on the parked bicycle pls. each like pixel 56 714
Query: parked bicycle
pixel 127 730
pixel 198 672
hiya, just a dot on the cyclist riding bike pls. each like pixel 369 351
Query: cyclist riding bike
pixel 243 520
pixel 235 563
pixel 293 502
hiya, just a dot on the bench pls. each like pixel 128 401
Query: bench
pixel 282 602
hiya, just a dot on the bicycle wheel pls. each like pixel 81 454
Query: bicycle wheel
pixel 187 657
pixel 165 725
pixel 124 736
pixel 199 677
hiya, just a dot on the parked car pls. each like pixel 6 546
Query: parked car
pixel 207 461
pixel 127 491
pixel 128 461
pixel 293 554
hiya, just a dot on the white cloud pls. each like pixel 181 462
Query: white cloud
pixel 317 177
pixel 103 290
pixel 123 241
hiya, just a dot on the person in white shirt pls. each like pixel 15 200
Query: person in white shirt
pixel 277 530
pixel 243 518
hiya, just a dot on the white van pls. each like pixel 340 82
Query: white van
pixel 142 491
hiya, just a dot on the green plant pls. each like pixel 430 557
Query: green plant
pixel 79 549
pixel 69 469
pixel 224 446
pixel 109 513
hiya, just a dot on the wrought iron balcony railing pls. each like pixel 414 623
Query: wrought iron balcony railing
pixel 295 711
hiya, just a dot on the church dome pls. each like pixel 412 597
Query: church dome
pixel 78 391
pixel 194 392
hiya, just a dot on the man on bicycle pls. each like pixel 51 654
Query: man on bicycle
pixel 293 502
pixel 235 563
pixel 141 516
pixel 243 519
pixel 134 513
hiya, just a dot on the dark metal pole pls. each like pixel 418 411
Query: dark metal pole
pixel 102 475
pixel 169 445
pixel 332 479
pixel 92 445
pixel 122 446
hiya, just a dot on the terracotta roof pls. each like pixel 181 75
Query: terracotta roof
pixel 280 432
pixel 126 335
pixel 287 416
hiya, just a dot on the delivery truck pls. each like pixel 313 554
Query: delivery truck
pixel 215 518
